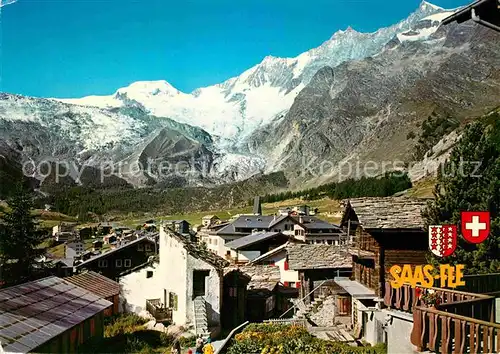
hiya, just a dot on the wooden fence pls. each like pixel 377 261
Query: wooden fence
pixel 288 321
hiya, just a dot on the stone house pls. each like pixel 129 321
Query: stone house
pixel 73 249
pixel 192 281
pixel 279 258
pixel 209 220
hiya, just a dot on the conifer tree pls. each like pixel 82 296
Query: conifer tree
pixel 470 181
pixel 19 238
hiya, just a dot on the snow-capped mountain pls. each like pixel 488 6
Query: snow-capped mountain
pixel 340 97
pixel 234 109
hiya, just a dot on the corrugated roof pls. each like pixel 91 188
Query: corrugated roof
pixel 251 239
pixel 315 256
pixel 95 283
pixel 35 312
pixel 388 212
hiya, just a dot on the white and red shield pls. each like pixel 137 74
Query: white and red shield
pixel 442 239
pixel 475 225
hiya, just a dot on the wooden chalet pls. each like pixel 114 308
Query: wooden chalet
pixel 388 231
pixel 117 260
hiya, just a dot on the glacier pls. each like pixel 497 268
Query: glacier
pixel 230 113
pixel 237 107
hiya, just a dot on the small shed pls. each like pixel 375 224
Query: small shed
pixel 101 286
pixel 49 315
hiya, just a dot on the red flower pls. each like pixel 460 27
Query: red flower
pixel 418 292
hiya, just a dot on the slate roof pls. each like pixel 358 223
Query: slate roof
pixel 95 283
pixel 198 251
pixel 313 223
pixel 389 212
pixel 119 248
pixel 251 239
pixel 262 277
pixel 267 222
pixel 209 217
pixel 35 312
pixel 315 256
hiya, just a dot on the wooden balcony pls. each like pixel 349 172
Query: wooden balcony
pixel 458 302
pixel 159 311
pixel 445 332
pixel 462 323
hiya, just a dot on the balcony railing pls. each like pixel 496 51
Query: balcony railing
pixel 444 332
pixel 457 302
pixel 159 311
pixel 462 322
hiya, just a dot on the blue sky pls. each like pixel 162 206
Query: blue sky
pixel 74 48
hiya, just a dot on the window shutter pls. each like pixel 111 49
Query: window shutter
pixel 286 265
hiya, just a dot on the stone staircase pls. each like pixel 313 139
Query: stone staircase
pixel 200 317
pixel 303 310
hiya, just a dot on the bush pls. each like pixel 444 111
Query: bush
pixel 187 342
pixel 289 339
pixel 122 324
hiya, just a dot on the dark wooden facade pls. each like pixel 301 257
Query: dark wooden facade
pixel 70 340
pixel 129 256
pixel 234 299
pixel 377 250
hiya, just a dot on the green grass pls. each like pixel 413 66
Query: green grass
pixel 423 188
pixel 126 333
pixel 327 207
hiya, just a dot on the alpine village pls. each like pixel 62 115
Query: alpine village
pixel 293 279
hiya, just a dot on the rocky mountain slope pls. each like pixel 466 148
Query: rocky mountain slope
pixel 357 97
pixel 367 110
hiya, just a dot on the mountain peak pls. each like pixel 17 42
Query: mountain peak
pixel 150 88
pixel 427 5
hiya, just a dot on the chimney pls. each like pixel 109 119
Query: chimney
pixel 257 208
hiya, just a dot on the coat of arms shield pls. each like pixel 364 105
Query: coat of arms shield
pixel 442 239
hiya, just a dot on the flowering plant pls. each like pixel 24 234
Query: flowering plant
pixel 430 298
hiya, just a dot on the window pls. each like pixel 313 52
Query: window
pixel 102 263
pixel 296 232
pixel 216 241
pixel 287 227
pixel 233 292
pixel 228 253
pixel 149 274
pixel 148 248
pixel 330 242
pixel 128 263
pixel 118 263
pixel 199 279
pixel 140 247
pixel 172 301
